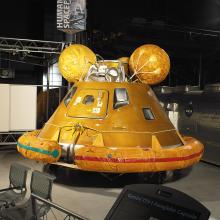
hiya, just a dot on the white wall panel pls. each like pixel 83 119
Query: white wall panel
pixel 4 107
pixel 23 107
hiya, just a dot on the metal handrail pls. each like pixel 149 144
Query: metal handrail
pixel 58 207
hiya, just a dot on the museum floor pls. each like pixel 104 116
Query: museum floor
pixel 90 195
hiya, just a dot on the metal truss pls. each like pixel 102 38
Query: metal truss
pixel 30 51
pixel 9 138
pixel 16 45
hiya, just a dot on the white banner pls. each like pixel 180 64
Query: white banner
pixel 71 15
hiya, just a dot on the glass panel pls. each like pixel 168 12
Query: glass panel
pixel 120 98
pixel 69 96
pixel 148 114
pixel 55 78
pixel 88 100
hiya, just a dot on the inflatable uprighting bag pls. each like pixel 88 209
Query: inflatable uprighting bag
pixel 32 147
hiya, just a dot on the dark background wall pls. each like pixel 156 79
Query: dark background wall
pixel 187 29
pixel 22 19
pixel 13 18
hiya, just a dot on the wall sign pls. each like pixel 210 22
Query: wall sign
pixel 189 110
pixel 71 15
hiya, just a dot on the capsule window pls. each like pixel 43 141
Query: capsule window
pixel 69 96
pixel 148 114
pixel 120 98
pixel 88 100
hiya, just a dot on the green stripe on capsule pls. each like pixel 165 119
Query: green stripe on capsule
pixel 54 153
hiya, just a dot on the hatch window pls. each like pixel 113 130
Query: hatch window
pixel 69 96
pixel 89 103
pixel 120 98
pixel 88 100
pixel 148 114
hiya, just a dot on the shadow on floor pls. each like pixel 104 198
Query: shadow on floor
pixel 71 177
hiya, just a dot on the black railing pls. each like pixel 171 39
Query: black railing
pixel 68 214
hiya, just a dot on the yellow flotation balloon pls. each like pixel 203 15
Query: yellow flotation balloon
pixel 150 64
pixel 125 62
pixel 74 62
pixel 32 147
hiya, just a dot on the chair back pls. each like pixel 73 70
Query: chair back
pixel 18 175
pixel 41 184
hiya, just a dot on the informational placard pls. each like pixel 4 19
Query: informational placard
pixel 71 15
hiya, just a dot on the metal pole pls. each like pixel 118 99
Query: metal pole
pixel 48 89
pixel 70 38
pixel 59 94
pixel 200 72
pixel 69 86
pixel 170 78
